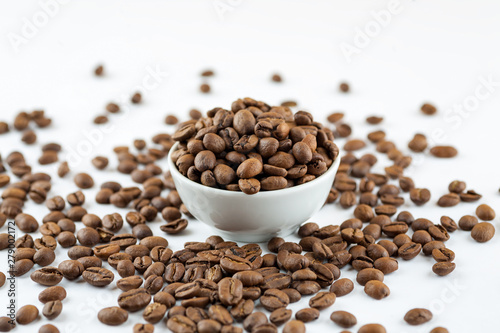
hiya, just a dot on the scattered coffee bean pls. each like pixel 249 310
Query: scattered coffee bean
pixel 418 316
pixel 343 319
pixel 483 232
pixel 485 212
pixel 26 314
pixel 112 316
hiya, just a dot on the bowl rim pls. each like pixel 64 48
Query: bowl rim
pixel 261 194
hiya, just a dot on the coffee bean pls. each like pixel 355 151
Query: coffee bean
pixel 439 330
pixel 372 328
pixel 307 315
pixel 221 314
pixel 485 212
pixel 483 232
pixel 26 314
pixel 443 268
pixel 369 274
pixel 98 276
pixel 409 250
pixel 274 299
pixel 134 300
pixel 136 98
pixel 418 316
pixel 55 293
pixel 254 320
pixel 294 326
pixel 344 87
pixel 343 319
pixel 230 291
pixel 22 267
pixel 420 196
pixel 444 151
pixel 467 222
pixel 7 324
pixel 342 287
pixel 44 256
pixel 47 276
pixel 175 226
pixel 470 196
pixel 443 254
pixel 322 300
pixel 449 200
pixel 280 316
pixel 112 316
pixel 457 186
pixel 26 223
pixel 52 309
pixel 208 326
pixel 376 289
pixel 154 312
pixel 428 109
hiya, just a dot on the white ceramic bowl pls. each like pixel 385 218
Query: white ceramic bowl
pixel 253 218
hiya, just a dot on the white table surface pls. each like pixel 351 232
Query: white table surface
pixel 440 51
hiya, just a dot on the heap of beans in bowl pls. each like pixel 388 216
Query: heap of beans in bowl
pixel 254 147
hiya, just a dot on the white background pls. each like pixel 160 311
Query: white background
pixel 439 51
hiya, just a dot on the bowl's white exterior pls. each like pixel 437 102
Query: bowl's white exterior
pixel 253 218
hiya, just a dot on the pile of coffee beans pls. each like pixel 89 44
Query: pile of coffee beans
pixel 254 147
pixel 217 285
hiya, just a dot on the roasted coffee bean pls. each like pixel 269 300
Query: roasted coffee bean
pixel 47 276
pixel 448 224
pixel 88 237
pixel 52 309
pixel 470 196
pixel 230 291
pixel 376 289
pixel 420 196
pixel 372 328
pixel 369 274
pixel 243 309
pixel 154 312
pixel 443 268
pixel 71 269
pixel 112 316
pixel 221 314
pixel 485 212
pixel 44 256
pixel 254 320
pixel 98 276
pixel 280 316
pixel 322 300
pixel 409 251
pixel 249 278
pixel 76 199
pixel 467 222
pixel 443 254
pixel 208 326
pixel 343 319
pixel 26 314
pixel 294 326
pixel 134 300
pixel 386 265
pixel 26 223
pixel 274 299
pixel 449 200
pixel 83 181
pixel 395 228
pixel 342 287
pixel 444 151
pixel 418 316
pixel 483 232
pixel 307 315
pixel 175 226
pixel 55 293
